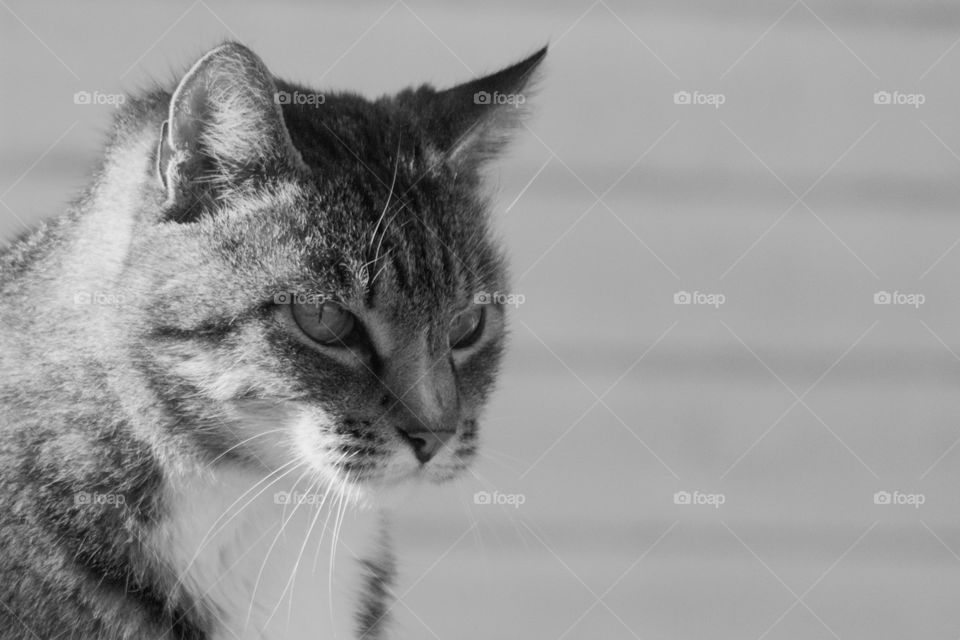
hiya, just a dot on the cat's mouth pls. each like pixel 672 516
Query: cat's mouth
pixel 425 444
pixel 398 462
pixel 355 452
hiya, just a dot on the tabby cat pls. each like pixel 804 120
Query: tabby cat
pixel 260 318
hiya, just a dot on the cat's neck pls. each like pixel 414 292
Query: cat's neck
pixel 272 557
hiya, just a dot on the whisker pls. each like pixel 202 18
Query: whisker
pixel 502 454
pixel 263 566
pixel 296 565
pixel 486 455
pixel 243 442
pixel 211 534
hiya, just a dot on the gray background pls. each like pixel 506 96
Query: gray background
pixel 797 199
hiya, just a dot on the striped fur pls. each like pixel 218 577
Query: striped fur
pixel 157 398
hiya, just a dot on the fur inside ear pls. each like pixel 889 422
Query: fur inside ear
pixel 469 123
pixel 224 125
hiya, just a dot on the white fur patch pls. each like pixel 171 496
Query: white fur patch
pixel 258 554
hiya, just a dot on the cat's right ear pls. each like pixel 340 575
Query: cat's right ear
pixel 224 126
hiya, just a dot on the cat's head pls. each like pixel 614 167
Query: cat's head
pixel 310 272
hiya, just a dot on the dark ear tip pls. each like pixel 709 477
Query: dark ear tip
pixel 540 54
pixel 526 67
pixel 531 74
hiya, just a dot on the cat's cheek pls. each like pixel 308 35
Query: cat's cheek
pixel 260 430
pixel 312 437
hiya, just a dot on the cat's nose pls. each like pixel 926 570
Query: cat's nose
pixel 425 443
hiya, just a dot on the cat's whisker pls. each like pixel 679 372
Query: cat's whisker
pixel 320 509
pixel 483 482
pixel 503 508
pixel 386 205
pixel 273 544
pixel 472 519
pixel 326 521
pixel 338 522
pixel 293 573
pixel 376 229
pixel 198 601
pixel 382 267
pixel 396 213
pixel 486 448
pixel 501 418
pixel 330 489
pixel 211 534
pixel 243 442
pixel 485 455
pixel 335 510
pixel 303 547
pixel 284 518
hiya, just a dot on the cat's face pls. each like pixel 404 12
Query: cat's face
pixel 315 280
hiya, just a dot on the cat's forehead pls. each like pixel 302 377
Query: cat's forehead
pixel 419 249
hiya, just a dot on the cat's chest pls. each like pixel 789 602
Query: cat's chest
pixel 269 564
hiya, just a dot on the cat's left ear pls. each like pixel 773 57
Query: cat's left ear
pixel 471 122
pixel 224 125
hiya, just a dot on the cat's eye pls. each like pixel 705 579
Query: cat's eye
pixel 327 323
pixel 466 327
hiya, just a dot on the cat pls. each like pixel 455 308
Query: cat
pixel 259 319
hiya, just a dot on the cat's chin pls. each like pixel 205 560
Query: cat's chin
pixel 400 491
pixel 398 481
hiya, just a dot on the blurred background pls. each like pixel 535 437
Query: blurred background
pixel 777 458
